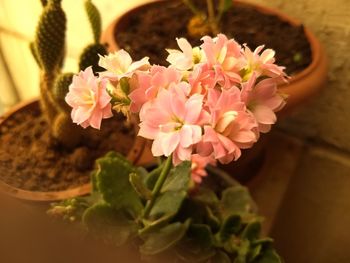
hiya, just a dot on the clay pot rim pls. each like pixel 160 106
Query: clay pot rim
pixel 133 155
pixel 314 43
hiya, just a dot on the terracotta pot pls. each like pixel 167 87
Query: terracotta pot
pixel 301 87
pixel 134 156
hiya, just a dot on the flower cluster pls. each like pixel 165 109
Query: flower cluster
pixel 207 105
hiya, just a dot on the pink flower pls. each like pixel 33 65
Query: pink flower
pixel 150 83
pixel 261 64
pixel 263 100
pixel 198 167
pixel 89 99
pixel 174 122
pixel 186 59
pixel 231 127
pixel 225 57
pixel 201 79
pixel 119 65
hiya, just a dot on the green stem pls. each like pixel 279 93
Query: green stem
pixel 156 170
pixel 161 179
pixel 211 15
pixel 221 12
pixel 192 7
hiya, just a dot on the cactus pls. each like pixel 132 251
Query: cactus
pixel 89 57
pixel 34 53
pixel 90 53
pixel 65 131
pixel 50 36
pixel 46 100
pixel 94 18
pixel 43 2
pixel 48 50
pixel 61 88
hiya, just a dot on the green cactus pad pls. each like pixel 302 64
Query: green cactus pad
pixel 90 57
pixel 50 36
pixel 94 18
pixel 34 53
pixel 46 100
pixel 61 88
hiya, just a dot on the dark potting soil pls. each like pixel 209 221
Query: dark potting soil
pixel 30 159
pixel 149 30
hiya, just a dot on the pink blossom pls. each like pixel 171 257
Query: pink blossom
pixel 261 64
pixel 186 59
pixel 225 57
pixel 119 65
pixel 174 122
pixel 150 83
pixel 263 100
pixel 201 79
pixel 89 99
pixel 231 127
pixel 199 164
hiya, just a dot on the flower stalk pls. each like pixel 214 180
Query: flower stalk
pixel 211 17
pixel 193 8
pixel 159 184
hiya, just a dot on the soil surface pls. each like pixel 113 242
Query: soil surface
pixel 30 159
pixel 149 30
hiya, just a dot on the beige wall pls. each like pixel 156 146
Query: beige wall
pixel 327 118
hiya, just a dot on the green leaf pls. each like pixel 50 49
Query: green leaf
pixel 254 252
pixel 205 196
pixel 190 256
pixel 269 256
pixel 220 257
pixel 179 178
pixel 173 193
pixel 201 234
pixel 266 241
pixel 230 226
pixel 243 250
pixel 137 182
pixel 151 177
pixel 236 200
pixel 164 209
pixel 197 246
pixel 168 204
pixel 150 226
pixel 93 176
pixel 165 238
pixel 252 231
pixel 212 219
pixel 112 181
pixel 109 224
